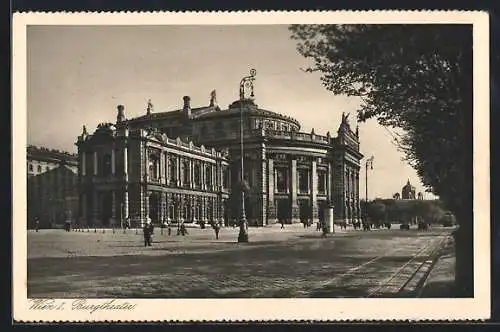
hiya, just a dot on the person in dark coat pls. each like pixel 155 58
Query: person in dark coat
pixel 217 229
pixel 147 234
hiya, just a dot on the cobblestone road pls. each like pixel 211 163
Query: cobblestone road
pixel 294 262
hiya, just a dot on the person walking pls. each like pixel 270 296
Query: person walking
pixel 147 233
pixel 282 224
pixel 37 224
pixel 217 229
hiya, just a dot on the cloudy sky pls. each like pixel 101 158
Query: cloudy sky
pixel 78 74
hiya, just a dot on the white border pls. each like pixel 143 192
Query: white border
pixel 263 309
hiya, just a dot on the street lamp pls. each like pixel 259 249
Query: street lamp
pixel 369 163
pixel 246 82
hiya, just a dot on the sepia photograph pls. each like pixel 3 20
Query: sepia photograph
pixel 250 161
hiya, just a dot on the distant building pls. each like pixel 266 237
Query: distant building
pixel 177 164
pixel 408 191
pixel 52 186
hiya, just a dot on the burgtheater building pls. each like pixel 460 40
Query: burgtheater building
pixel 184 166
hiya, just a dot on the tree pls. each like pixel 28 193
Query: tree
pixel 377 211
pixel 417 78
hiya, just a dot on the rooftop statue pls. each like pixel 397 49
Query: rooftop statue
pixel 213 98
pixel 150 107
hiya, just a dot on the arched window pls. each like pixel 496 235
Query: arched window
pixel 208 176
pixel 303 181
pixel 197 175
pixel 281 180
pixel 185 173
pixel 154 167
pixel 322 182
pixel 173 170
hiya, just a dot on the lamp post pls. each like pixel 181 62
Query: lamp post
pixel 369 163
pixel 246 82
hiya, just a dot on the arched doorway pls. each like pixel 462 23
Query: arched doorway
pixel 283 211
pixel 304 211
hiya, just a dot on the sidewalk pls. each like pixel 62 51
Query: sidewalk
pixel 441 280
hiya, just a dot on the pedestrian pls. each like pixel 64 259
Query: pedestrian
pixel 37 224
pixel 217 229
pixel 318 226
pixel 282 224
pixel 169 229
pixel 147 233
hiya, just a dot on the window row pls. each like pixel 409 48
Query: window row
pixel 304 181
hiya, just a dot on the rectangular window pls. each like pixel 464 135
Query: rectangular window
pixel 322 183
pixel 281 180
pixel 303 181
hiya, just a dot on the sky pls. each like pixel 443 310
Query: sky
pixel 77 75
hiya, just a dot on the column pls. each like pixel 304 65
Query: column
pixel 348 195
pixel 125 215
pixel 163 207
pixel 204 209
pixel 84 209
pixel 271 208
pixel 329 191
pixel 113 207
pixel 191 173
pixel 167 168
pixel 202 175
pixel 213 174
pixel 95 162
pixel 314 190
pixel 167 207
pixel 113 161
pixel 146 158
pixel 194 208
pixel 95 207
pixel 293 192
pixel 180 180
pixel 220 172
pixel 84 163
pixel 161 170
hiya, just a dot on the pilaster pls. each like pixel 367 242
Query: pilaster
pixel 314 190
pixel 293 192
pixel 271 208
pixel 113 161
pixel 95 163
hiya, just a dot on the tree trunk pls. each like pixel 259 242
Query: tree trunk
pixel 464 253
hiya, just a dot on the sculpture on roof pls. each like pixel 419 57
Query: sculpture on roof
pixel 150 107
pixel 213 98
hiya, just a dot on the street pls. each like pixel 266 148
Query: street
pixel 293 262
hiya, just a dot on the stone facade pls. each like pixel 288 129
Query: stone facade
pixel 292 176
pixel 51 186
pixel 133 174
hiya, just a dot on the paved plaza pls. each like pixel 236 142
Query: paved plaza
pixel 290 262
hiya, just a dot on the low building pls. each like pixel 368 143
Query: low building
pixel 51 186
